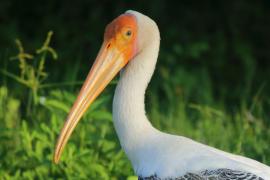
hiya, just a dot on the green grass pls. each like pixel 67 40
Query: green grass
pixel 32 115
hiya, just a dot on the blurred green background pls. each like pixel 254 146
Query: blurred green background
pixel 211 82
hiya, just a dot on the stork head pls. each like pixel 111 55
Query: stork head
pixel 118 48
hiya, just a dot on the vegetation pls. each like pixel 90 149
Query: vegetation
pixel 211 83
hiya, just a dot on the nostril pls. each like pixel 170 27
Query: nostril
pixel 109 45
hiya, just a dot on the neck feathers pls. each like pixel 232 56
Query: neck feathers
pixel 130 121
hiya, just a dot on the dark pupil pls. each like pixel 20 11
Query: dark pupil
pixel 128 33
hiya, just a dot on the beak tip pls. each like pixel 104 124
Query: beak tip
pixel 56 159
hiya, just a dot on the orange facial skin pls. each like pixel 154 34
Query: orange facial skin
pixel 122 33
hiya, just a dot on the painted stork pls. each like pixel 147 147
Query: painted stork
pixel 131 45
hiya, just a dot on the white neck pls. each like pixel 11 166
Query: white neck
pixel 130 121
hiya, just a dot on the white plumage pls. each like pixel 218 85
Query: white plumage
pixel 153 152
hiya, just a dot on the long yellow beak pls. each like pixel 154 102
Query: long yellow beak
pixel 108 63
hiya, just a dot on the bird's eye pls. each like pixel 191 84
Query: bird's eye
pixel 128 33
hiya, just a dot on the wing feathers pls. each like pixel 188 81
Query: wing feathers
pixel 217 174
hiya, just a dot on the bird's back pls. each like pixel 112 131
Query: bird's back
pixel 170 156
